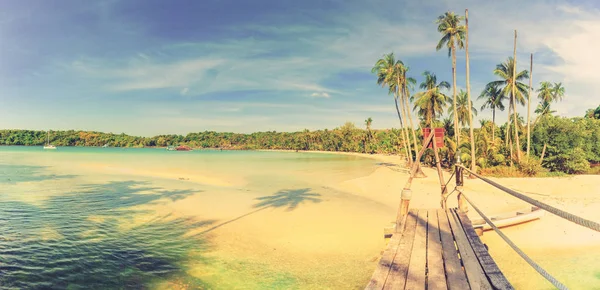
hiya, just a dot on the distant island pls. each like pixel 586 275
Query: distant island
pixel 568 145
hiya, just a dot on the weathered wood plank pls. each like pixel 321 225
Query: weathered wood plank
pixel 399 269
pixel 475 274
pixel 493 273
pixel 383 267
pixel 418 262
pixel 436 279
pixel 456 277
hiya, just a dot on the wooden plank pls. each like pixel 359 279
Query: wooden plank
pixel 383 267
pixel 456 277
pixel 475 274
pixel 418 261
pixel 399 269
pixel 436 279
pixel 490 268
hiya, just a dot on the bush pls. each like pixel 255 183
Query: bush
pixel 530 166
pixel 572 162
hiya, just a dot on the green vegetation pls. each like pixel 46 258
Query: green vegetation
pixel 572 144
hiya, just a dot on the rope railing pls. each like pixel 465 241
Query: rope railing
pixel 533 264
pixel 561 213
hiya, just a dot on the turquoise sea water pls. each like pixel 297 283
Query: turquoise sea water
pixel 70 218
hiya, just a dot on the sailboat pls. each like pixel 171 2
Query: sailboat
pixel 48 145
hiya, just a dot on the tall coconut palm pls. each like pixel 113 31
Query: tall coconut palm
pixel 469 105
pixel 407 83
pixel 505 72
pixel 387 69
pixel 559 92
pixel 546 92
pixel 431 102
pixel 494 99
pixel 453 33
pixel 462 108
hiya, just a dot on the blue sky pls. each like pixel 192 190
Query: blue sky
pixel 150 67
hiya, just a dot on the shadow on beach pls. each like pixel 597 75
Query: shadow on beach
pixel 87 238
pixel 285 198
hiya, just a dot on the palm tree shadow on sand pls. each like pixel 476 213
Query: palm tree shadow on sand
pixel 289 198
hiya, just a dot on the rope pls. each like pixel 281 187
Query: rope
pixel 533 264
pixel 563 214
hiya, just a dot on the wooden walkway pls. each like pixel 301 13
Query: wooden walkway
pixel 437 249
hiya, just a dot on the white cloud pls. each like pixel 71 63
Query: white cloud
pixel 303 58
pixel 320 95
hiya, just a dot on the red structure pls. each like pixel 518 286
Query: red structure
pixel 438 137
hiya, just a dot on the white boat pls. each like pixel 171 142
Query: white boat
pixel 49 146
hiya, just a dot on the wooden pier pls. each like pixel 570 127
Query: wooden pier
pixel 437 249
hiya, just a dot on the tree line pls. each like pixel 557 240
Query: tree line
pixel 490 145
pixel 568 145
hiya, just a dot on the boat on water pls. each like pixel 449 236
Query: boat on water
pixel 183 148
pixel 105 145
pixel 170 148
pixel 49 146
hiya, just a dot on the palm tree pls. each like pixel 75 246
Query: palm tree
pixel 545 92
pixel 431 102
pixel 469 104
pixel 387 70
pixel 368 123
pixel 494 100
pixel 505 72
pixel 558 91
pixel 453 33
pixel 407 83
pixel 462 107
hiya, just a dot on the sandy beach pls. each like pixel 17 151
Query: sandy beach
pixel 320 242
pixel 307 220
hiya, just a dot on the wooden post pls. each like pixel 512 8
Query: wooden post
pixel 440 172
pixel 406 193
pixel 462 203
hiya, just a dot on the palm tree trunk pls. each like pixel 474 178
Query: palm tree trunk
pixel 529 104
pixel 507 133
pixel 493 123
pixel 419 172
pixel 471 135
pixel 511 153
pixel 408 159
pixel 514 87
pixel 543 153
pixel 403 111
pixel 457 136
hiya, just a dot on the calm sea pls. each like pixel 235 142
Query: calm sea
pixel 111 218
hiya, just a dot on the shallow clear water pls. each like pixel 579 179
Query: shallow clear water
pixel 99 218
